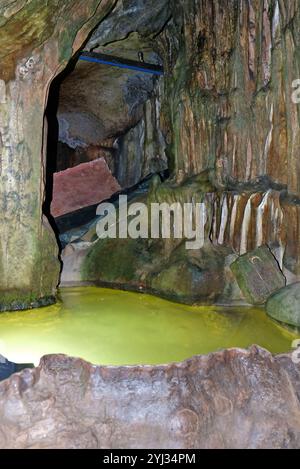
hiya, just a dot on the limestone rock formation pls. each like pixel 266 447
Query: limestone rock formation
pixel 94 104
pixel 225 107
pixel 191 277
pixel 147 17
pixel 111 113
pixel 98 102
pixel 284 306
pixel 228 106
pixel 230 399
pixel 37 40
pixel 229 84
pixel 236 222
pixel 258 275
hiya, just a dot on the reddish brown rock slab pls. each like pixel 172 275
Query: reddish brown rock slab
pixel 84 185
pixel 229 399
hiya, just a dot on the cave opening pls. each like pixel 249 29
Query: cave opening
pixel 104 135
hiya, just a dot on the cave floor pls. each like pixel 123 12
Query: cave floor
pixel 111 327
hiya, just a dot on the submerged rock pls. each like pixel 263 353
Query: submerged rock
pixel 229 399
pixel 284 306
pixel 258 275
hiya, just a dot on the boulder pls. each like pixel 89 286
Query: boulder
pixel 284 306
pixel 185 282
pixel 87 116
pixel 84 185
pixel 258 275
pixel 118 262
pixel 191 277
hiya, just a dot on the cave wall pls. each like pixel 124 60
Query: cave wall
pixel 227 107
pixel 37 40
pixel 227 112
pixel 112 113
pixel 230 67
pixel 141 151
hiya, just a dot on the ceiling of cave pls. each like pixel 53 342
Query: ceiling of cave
pixel 99 102
pixel 147 17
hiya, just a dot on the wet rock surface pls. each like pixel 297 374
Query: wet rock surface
pixel 38 39
pixel 225 105
pixel 258 275
pixel 190 277
pixel 284 306
pixel 232 65
pixel 229 399
pixel 238 224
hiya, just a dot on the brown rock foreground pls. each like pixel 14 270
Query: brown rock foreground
pixel 229 399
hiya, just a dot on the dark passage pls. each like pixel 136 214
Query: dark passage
pixel 102 120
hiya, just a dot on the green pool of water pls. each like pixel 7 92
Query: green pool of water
pixel 112 327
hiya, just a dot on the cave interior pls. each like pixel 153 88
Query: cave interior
pixel 189 107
